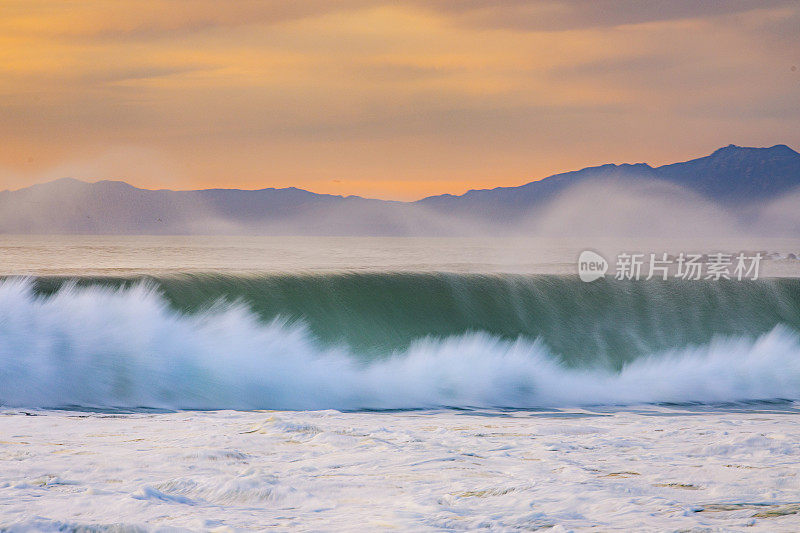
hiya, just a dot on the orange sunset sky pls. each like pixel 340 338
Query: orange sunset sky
pixel 385 99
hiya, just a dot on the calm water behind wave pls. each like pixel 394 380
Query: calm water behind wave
pixel 130 255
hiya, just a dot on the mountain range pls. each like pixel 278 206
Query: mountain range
pixel 732 178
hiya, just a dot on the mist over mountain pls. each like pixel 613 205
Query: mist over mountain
pixel 732 175
pixel 732 185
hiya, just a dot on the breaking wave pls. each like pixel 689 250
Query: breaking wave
pixel 133 344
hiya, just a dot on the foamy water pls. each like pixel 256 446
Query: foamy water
pixel 98 347
pixel 155 384
pixel 642 470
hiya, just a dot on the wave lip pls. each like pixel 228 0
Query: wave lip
pixel 127 348
pixel 606 322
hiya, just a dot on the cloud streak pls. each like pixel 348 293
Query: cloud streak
pixel 394 99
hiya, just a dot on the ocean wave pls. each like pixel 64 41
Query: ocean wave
pixel 606 322
pixel 96 346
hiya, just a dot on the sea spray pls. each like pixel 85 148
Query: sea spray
pixel 604 323
pixel 127 346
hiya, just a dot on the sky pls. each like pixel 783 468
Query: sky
pixel 383 98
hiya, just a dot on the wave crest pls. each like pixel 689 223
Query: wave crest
pixel 126 347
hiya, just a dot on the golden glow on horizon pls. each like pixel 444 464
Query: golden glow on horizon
pixel 383 99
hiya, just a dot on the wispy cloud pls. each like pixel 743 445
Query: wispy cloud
pixel 353 96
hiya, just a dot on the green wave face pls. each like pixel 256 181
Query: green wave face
pixel 604 323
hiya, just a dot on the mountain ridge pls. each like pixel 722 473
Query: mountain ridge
pixel 730 176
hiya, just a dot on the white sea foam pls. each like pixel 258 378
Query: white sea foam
pixel 96 346
pixel 644 469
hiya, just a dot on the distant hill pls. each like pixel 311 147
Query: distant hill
pixel 730 176
pixel 736 174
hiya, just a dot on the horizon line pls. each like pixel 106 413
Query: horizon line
pixel 344 196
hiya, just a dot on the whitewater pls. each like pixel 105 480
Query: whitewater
pixel 155 385
pixel 106 347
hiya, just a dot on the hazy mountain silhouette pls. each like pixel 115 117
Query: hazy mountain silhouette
pixel 736 174
pixel 730 177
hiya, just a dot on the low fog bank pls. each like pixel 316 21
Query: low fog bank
pixel 621 207
pixel 631 208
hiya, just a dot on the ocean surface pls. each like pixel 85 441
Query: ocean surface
pixel 240 383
